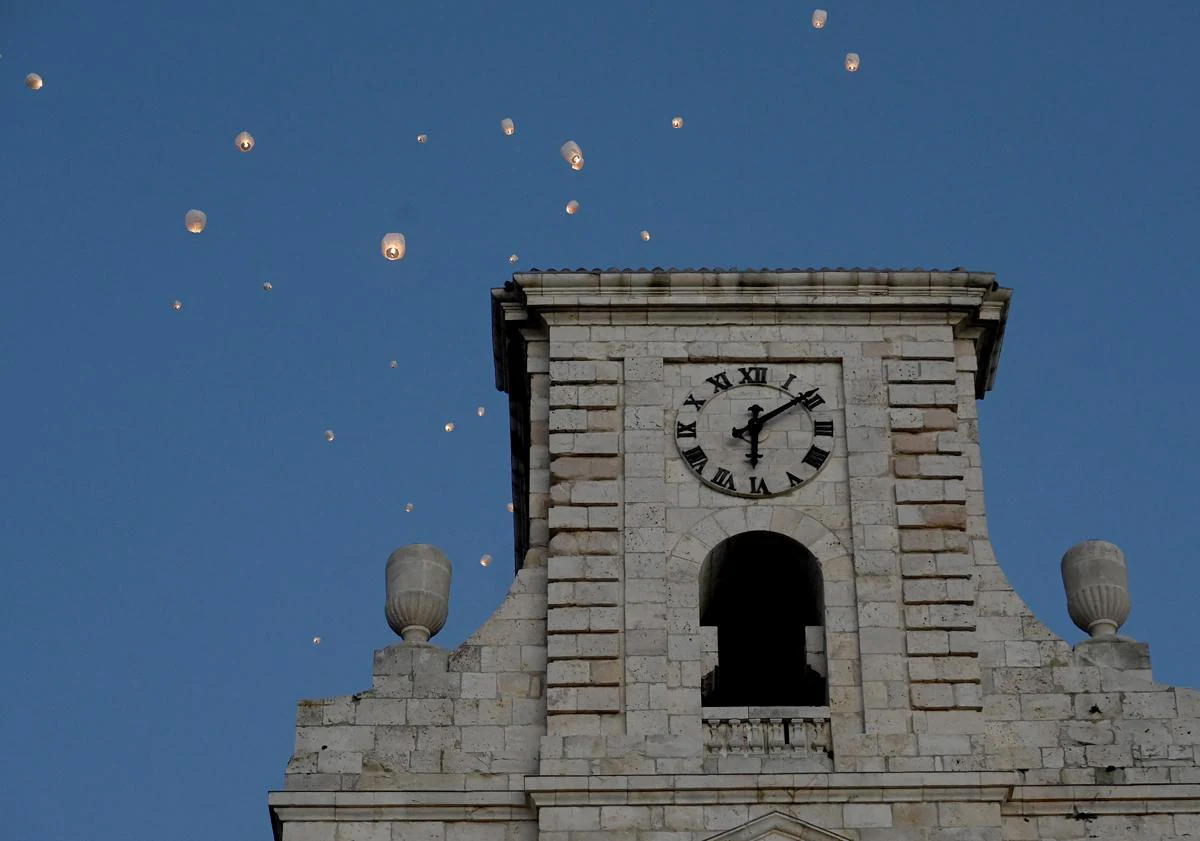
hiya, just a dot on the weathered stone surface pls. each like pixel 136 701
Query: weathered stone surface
pixel 578 712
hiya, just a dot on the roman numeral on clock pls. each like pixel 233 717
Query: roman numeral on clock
pixel 811 399
pixel 723 478
pixel 787 386
pixel 696 457
pixel 816 456
pixel 692 401
pixel 758 486
pixel 794 480
pixel 824 428
pixel 685 430
pixel 720 382
pixel 752 375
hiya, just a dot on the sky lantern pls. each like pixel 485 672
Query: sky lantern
pixel 421 138
pixel 329 436
pixel 572 154
pixel 176 305
pixel 509 508
pixel 244 141
pixel 645 236
pixel 486 560
pixel 395 363
pixel 852 62
pixel 408 507
pixel 819 18
pixel 34 82
pixel 449 427
pixel 512 258
pixel 267 287
pixel 572 207
pixel 506 126
pixel 393 246
pixel 195 220
pixel 480 411
pixel 677 122
pixel 316 640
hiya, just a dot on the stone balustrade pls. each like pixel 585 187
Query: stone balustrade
pixel 800 732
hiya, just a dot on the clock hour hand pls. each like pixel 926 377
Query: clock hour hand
pixel 753 427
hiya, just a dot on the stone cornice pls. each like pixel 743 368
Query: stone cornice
pixel 981 304
pixel 1082 802
pixel 478 805
pixel 768 788
pixel 737 284
pixel 1087 801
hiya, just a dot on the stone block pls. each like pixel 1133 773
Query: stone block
pixel 860 815
pixel 310 831
pixel 596 396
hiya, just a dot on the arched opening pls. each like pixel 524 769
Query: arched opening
pixel 762 594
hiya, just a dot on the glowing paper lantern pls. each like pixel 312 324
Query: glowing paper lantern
pixel 509 508
pixel 449 427
pixel 572 154
pixel 421 138
pixel 34 82
pixel 819 18
pixel 408 506
pixel 486 560
pixel 480 411
pixel 195 220
pixel 329 435
pixel 394 364
pixel 176 305
pixel 506 125
pixel 512 258
pixel 572 207
pixel 316 640
pixel 852 62
pixel 645 236
pixel 267 287
pixel 677 122
pixel 244 141
pixel 393 246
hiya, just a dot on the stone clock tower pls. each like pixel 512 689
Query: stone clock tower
pixel 754 597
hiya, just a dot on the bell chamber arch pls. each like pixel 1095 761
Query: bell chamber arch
pixel 762 592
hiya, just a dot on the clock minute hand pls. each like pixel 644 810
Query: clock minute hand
pixel 799 398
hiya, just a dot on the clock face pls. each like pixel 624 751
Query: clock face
pixel 755 431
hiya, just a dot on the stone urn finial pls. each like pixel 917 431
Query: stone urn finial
pixel 418 591
pixel 1097 584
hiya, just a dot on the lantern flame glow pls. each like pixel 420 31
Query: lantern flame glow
pixel 195 220
pixel 393 246
pixel 572 154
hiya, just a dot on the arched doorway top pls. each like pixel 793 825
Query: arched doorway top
pixel 692 548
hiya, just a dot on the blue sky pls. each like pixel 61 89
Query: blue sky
pixel 174 528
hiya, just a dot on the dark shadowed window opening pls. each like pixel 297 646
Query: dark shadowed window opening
pixel 762 593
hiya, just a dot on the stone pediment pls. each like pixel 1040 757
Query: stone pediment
pixel 777 826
